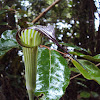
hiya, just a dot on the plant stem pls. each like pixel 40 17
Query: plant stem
pixel 30 60
pixel 30 94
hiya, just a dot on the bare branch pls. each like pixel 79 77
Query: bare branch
pixel 55 50
pixel 97 64
pixel 46 10
pixel 75 76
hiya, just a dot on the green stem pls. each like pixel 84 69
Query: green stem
pixel 30 94
pixel 30 60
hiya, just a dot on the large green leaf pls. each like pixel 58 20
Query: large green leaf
pixel 7 41
pixel 92 72
pixel 53 74
pixel 88 57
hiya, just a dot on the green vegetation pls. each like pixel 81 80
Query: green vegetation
pixel 74 22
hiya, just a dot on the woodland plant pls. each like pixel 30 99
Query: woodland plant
pixel 52 76
pixel 30 39
pixel 46 71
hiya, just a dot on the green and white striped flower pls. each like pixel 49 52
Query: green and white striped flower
pixel 30 39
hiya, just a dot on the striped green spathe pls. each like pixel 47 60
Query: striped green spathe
pixel 30 61
pixel 30 39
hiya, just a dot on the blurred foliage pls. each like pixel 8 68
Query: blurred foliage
pixel 7 41
pixel 74 24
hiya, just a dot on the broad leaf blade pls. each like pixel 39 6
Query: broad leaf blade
pixel 52 74
pixel 92 73
pixel 7 41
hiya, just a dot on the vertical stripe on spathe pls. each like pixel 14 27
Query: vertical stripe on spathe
pixel 30 37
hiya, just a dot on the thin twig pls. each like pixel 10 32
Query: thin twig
pixel 97 64
pixel 75 76
pixel 55 50
pixel 46 10
pixel 52 49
